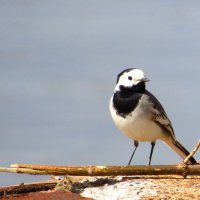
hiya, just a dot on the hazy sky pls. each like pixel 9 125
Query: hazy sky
pixel 58 66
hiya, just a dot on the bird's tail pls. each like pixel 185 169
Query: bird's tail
pixel 180 150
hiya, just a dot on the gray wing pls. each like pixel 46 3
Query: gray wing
pixel 159 115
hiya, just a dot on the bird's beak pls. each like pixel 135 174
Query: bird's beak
pixel 145 79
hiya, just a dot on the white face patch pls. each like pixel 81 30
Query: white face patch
pixel 130 78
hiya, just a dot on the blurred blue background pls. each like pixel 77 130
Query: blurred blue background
pixel 58 66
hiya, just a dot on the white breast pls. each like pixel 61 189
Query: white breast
pixel 138 124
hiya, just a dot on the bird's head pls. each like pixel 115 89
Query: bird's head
pixel 131 79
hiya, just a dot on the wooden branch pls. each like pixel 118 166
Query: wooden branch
pixel 180 169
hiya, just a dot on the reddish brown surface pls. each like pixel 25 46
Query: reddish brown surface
pixel 52 195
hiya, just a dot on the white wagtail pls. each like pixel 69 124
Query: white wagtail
pixel 139 115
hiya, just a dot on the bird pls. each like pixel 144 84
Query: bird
pixel 139 115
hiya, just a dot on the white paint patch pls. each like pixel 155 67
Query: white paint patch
pixel 126 190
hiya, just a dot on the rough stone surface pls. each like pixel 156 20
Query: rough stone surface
pixel 148 188
pixel 117 188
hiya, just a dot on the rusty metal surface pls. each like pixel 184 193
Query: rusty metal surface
pixel 48 195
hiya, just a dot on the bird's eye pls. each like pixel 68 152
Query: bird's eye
pixel 130 78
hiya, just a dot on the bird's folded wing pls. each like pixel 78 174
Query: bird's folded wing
pixel 159 115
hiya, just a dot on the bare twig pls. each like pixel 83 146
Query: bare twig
pixel 180 169
pixel 103 170
pixel 185 161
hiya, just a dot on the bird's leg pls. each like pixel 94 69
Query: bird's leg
pixel 136 145
pixel 151 153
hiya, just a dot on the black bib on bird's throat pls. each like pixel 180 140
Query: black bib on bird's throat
pixel 127 98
